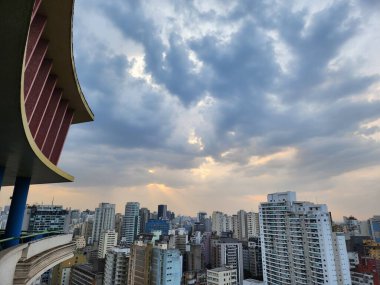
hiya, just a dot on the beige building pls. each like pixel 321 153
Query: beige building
pixel 222 276
pixel 108 239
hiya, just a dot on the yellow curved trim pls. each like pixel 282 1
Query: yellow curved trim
pixel 89 111
pixel 30 138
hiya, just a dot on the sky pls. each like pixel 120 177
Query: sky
pixel 211 105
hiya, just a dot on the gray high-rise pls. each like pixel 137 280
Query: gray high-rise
pixel 104 220
pixel 144 217
pixel 131 224
pixel 162 212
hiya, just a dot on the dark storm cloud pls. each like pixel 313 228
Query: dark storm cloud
pixel 137 124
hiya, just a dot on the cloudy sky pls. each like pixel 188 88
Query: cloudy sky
pixel 208 105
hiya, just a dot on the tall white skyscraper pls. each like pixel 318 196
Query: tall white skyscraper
pixel 253 224
pixel 298 246
pixel 131 224
pixel 108 239
pixel 104 220
pixel 219 222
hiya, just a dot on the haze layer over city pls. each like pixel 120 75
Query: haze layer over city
pixel 208 105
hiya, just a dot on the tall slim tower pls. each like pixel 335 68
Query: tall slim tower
pixel 131 225
pixel 202 216
pixel 298 246
pixel 219 222
pixel 144 217
pixel 253 224
pixel 162 212
pixel 104 220
pixel 242 225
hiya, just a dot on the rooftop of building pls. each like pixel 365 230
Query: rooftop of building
pixel 228 240
pixel 221 269
pixel 119 249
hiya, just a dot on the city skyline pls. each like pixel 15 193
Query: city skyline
pixel 225 102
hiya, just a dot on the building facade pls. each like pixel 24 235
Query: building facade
pixel 144 218
pixel 108 239
pixel 166 266
pixel 139 272
pixel 298 245
pixel 116 267
pixel 104 220
pixel 222 276
pixel 162 212
pixel 242 226
pixel 229 252
pixel 131 223
pixel 219 222
pixel 47 218
pixel 253 225
pixel 157 225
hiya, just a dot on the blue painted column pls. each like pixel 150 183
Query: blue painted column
pixel 17 209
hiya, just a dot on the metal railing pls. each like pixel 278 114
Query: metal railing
pixel 25 238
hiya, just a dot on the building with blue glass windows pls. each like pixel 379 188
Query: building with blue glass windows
pixel 157 225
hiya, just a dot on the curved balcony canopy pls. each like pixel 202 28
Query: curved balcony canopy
pixel 20 152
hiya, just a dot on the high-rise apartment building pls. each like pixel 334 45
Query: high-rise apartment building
pixel 252 261
pixel 229 252
pixel 40 218
pixel 166 266
pixel 218 222
pixel 131 224
pixel 242 226
pixel 229 223
pixel 194 258
pixel 298 246
pixel 144 218
pixel 139 272
pixel 182 241
pixel 162 212
pixel 235 226
pixel 253 225
pixel 108 239
pixel 86 230
pixel 202 216
pixel 119 218
pixel 116 267
pixel 104 220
